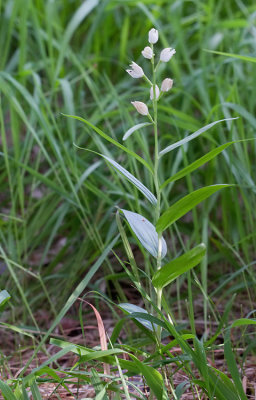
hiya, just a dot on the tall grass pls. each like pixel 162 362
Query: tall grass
pixel 58 202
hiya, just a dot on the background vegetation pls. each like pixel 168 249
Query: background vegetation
pixel 58 202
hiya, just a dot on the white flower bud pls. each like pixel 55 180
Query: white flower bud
pixel 166 85
pixel 153 36
pixel 152 92
pixel 136 71
pixel 147 52
pixel 142 108
pixel 166 54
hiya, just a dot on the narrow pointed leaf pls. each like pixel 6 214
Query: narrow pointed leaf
pixel 109 139
pixel 145 232
pixel 132 308
pixel 147 193
pixel 233 55
pixel 169 272
pixel 6 391
pixel 232 366
pixel 196 164
pixel 192 136
pixel 135 128
pixel 184 205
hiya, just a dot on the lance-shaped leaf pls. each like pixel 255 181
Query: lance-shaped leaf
pixel 169 272
pixel 184 205
pixel 145 232
pixel 196 164
pixel 133 180
pixel 135 128
pixel 109 139
pixel 191 137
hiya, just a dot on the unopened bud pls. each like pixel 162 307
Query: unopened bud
pixel 153 36
pixel 166 84
pixel 166 54
pixel 141 107
pixel 136 71
pixel 147 52
pixel 157 92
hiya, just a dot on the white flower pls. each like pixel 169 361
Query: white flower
pixel 147 52
pixel 152 92
pixel 136 71
pixel 142 108
pixel 166 54
pixel 153 36
pixel 166 84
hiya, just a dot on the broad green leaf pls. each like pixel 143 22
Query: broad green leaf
pixel 135 128
pixel 109 139
pixel 133 180
pixel 191 137
pixel 184 205
pixel 4 298
pixel 145 232
pixel 169 272
pixel 196 164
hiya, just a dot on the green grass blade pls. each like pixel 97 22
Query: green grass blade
pixel 6 391
pixel 71 300
pixel 35 391
pixel 231 361
pixel 233 55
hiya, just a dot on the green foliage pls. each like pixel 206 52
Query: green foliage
pixel 58 234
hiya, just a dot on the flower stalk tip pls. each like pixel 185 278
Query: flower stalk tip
pixel 153 36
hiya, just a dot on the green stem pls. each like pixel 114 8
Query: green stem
pixel 158 194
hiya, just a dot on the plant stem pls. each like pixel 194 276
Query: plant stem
pixel 158 194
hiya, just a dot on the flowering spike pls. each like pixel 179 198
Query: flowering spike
pixel 136 71
pixel 141 107
pixel 166 85
pixel 147 52
pixel 166 54
pixel 153 36
pixel 152 92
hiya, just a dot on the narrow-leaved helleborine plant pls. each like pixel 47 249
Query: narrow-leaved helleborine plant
pixel 149 234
